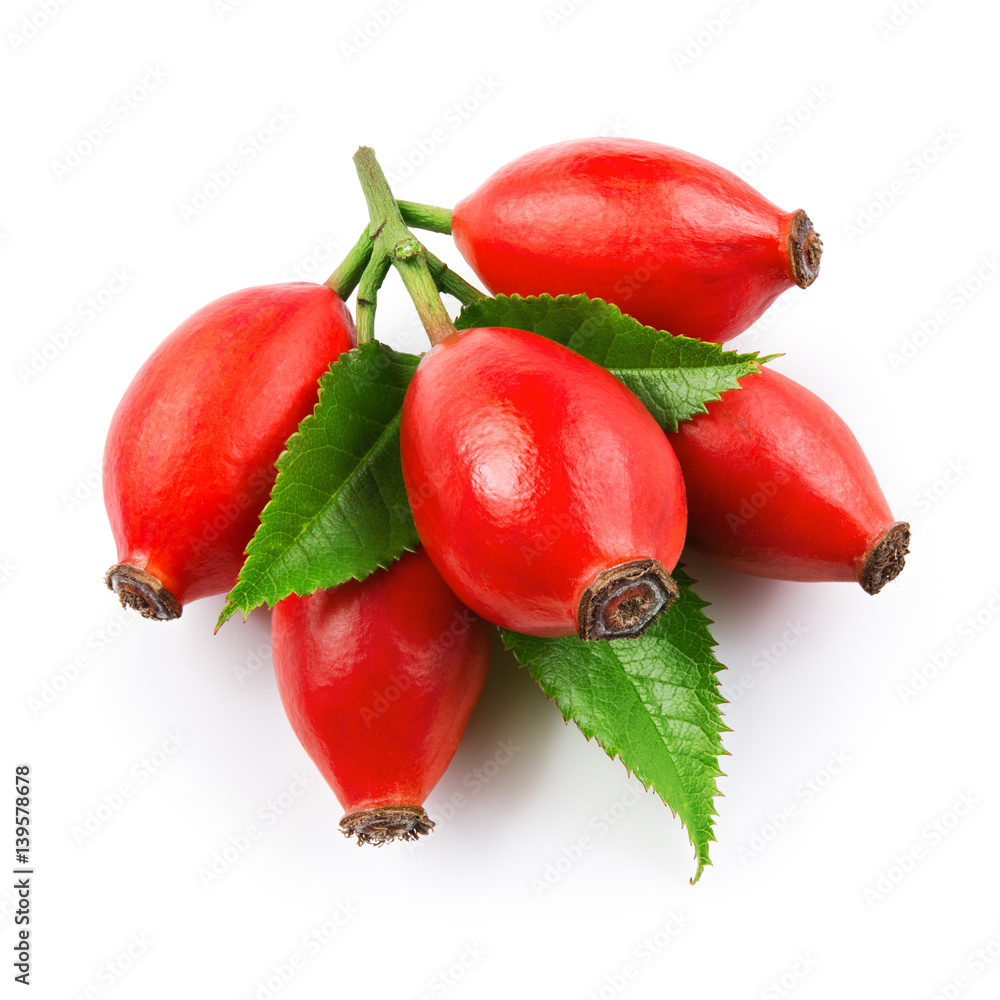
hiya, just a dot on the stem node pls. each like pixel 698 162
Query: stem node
pixel 402 247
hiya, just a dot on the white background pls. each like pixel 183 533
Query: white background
pixel 882 879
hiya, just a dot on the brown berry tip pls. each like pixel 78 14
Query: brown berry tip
pixel 142 591
pixel 886 558
pixel 623 601
pixel 385 823
pixel 805 249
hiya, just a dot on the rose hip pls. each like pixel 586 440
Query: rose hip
pixel 189 459
pixel 378 680
pixel 672 239
pixel 779 487
pixel 547 496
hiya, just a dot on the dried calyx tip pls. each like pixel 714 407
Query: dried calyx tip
pixel 805 249
pixel 385 823
pixel 624 600
pixel 141 591
pixel 886 559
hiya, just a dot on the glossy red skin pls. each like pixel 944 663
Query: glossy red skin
pixel 189 459
pixel 529 470
pixel 777 484
pixel 670 238
pixel 378 680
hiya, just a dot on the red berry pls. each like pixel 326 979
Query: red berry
pixel 542 489
pixel 378 680
pixel 189 460
pixel 672 239
pixel 778 486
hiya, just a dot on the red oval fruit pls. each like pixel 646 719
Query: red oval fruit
pixel 189 460
pixel 378 680
pixel 670 238
pixel 779 487
pixel 542 489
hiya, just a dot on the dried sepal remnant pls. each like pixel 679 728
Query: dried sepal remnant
pixel 625 600
pixel 805 250
pixel 779 487
pixel 887 558
pixel 555 473
pixel 189 458
pixel 378 678
pixel 386 824
pixel 142 592
pixel 675 240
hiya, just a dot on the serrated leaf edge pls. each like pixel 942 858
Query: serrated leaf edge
pixel 231 607
pixel 702 861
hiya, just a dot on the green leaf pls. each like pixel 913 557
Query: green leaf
pixel 338 510
pixel 673 376
pixel 652 701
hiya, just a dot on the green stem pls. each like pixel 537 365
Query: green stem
pixel 371 281
pixel 345 279
pixel 430 217
pixel 448 281
pixel 389 233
